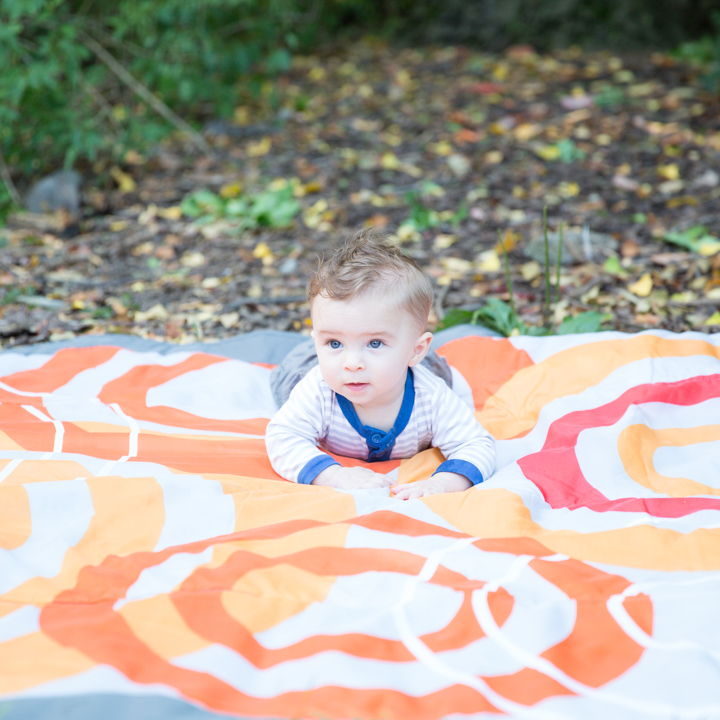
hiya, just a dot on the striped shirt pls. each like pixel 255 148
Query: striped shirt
pixel 431 415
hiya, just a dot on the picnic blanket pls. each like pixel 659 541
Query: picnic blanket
pixel 152 564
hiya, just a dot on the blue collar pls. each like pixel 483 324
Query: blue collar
pixel 380 443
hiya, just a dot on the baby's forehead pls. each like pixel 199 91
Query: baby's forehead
pixel 372 300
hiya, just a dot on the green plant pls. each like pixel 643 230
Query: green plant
pixel 502 317
pixel 696 239
pixel 705 54
pixel 82 78
pixel 569 152
pixel 610 97
pixel 274 207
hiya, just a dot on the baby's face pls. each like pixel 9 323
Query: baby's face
pixel 365 346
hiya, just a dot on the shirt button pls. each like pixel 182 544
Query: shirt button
pixel 376 438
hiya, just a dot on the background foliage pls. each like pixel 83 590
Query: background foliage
pixel 61 101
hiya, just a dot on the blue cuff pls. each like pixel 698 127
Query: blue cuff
pixel 462 467
pixel 314 467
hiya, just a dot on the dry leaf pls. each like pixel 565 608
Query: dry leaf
pixel 156 312
pixel 126 183
pixel 643 287
pixel 260 148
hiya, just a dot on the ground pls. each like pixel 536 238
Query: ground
pixel 445 148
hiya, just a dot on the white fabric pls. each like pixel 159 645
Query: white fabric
pixel 312 417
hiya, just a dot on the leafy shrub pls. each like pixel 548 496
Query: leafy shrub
pixel 71 70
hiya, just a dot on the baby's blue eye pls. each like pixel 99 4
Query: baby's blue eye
pixel 375 344
pixel 334 344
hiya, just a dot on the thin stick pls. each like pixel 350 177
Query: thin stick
pixel 557 263
pixel 508 278
pixel 141 91
pixel 7 180
pixel 546 309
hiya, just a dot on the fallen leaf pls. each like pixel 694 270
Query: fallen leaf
pixel 548 152
pixel 156 312
pixel 489 261
pixel 443 242
pixel 192 259
pixel 714 319
pixel 259 148
pixel 643 287
pixel 669 172
pixel 231 190
pixel 459 164
pixel 126 183
pixel 263 252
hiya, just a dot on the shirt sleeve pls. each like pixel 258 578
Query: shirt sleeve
pixel 293 433
pixel 468 448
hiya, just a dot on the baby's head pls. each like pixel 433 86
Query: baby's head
pixel 369 264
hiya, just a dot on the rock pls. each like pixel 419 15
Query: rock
pixel 59 191
pixel 578 246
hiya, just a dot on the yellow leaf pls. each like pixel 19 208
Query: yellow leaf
pixel 317 74
pixel 78 305
pixel 509 241
pixel 442 148
pixel 643 287
pixel 118 225
pixel 669 172
pixel 489 261
pixel 548 152
pixel 262 251
pixel 192 260
pixel 442 242
pixel 390 161
pixel 231 190
pixel 530 270
pixel 407 232
pixel 527 131
pixel 260 148
pixel 156 312
pixel 709 248
pixel 125 182
pixel 714 319
pixel 494 157
pixel 456 264
pixel 174 212
pixel 568 189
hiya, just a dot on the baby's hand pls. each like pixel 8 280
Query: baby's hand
pixel 441 482
pixel 351 478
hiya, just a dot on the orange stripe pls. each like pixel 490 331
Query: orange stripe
pixel 60 369
pixel 514 408
pixel 637 445
pixel 486 363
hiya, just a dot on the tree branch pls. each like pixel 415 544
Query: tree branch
pixel 141 91
pixel 7 180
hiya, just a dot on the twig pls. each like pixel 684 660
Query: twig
pixel 508 277
pixel 7 180
pixel 557 262
pixel 141 91
pixel 546 306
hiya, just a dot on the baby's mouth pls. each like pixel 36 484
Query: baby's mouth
pixel 356 386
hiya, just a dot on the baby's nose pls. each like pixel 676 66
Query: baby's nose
pixel 353 361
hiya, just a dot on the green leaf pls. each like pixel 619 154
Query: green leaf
pixel 585 322
pixel 455 316
pixel 696 239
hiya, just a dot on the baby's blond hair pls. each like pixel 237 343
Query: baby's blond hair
pixel 369 262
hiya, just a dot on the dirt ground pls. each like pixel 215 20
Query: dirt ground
pixel 447 149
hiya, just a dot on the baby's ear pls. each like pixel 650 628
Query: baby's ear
pixel 421 348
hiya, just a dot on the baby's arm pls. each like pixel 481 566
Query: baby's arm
pixel 468 448
pixel 291 439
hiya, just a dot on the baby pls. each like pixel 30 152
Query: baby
pixel 369 397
